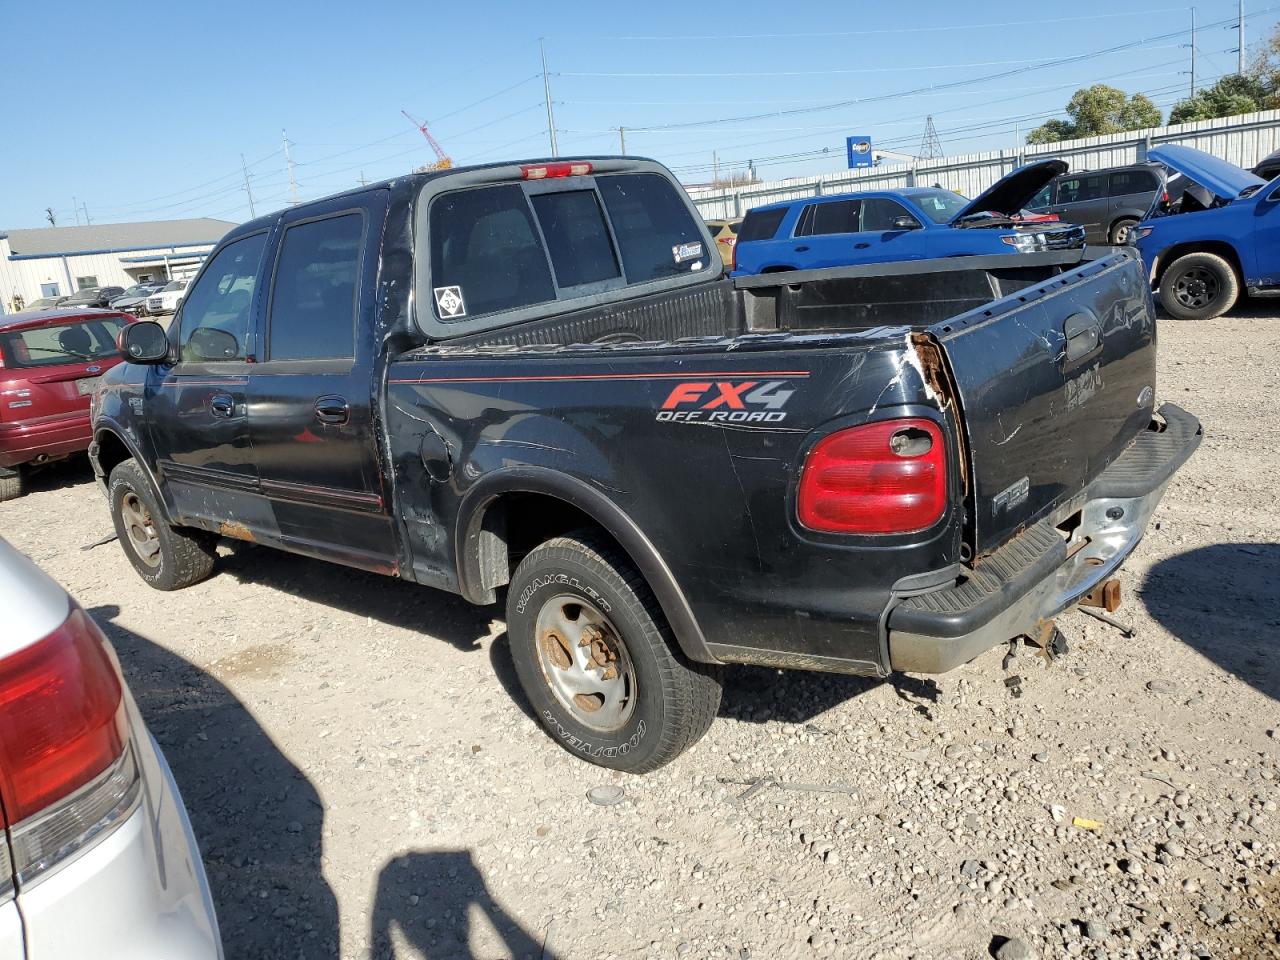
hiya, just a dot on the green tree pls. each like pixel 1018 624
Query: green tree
pixel 1097 110
pixel 1231 95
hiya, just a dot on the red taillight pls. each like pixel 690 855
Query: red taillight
pixel 886 477
pixel 62 722
pixel 563 168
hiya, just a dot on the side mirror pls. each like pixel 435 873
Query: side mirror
pixel 906 223
pixel 144 342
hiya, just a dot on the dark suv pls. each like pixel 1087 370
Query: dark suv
pixel 1107 203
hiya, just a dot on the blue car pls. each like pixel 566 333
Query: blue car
pixel 1214 232
pixel 915 223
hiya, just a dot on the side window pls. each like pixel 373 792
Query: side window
pixel 1132 181
pixel 313 296
pixel 836 216
pixel 879 213
pixel 577 238
pixel 1043 198
pixel 485 253
pixel 761 224
pixel 656 234
pixel 1080 189
pixel 217 312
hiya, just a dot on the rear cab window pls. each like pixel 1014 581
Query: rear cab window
pixel 65 343
pixel 500 253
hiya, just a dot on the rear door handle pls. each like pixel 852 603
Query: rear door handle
pixel 802 249
pixel 861 246
pixel 222 405
pixel 333 410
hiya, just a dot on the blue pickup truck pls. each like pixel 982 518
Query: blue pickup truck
pixel 1213 233
pixel 915 223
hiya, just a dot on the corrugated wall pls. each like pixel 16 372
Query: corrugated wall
pixel 1244 140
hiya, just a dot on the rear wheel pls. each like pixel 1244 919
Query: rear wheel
pixel 1199 286
pixel 597 660
pixel 165 557
pixel 1120 231
pixel 12 483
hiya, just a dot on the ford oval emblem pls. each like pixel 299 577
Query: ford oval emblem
pixel 93 368
pixel 1145 396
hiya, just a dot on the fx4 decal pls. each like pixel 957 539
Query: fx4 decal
pixel 712 401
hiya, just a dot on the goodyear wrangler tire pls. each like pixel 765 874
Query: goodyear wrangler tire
pixel 165 557
pixel 597 660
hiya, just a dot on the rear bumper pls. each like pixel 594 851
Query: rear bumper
pixel 25 441
pixel 1041 573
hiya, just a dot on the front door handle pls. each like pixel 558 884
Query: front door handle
pixel 222 405
pixel 333 410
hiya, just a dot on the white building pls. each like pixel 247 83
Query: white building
pixel 57 261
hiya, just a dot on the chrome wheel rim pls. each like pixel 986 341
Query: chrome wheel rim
pixel 1197 288
pixel 585 663
pixel 142 532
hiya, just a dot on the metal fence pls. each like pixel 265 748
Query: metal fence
pixel 1243 139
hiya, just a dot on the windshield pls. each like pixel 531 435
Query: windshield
pixel 938 205
pixel 136 291
pixel 61 344
pixel 176 285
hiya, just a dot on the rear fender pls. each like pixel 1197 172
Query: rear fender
pixel 610 517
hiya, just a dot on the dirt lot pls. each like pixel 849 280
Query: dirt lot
pixel 365 780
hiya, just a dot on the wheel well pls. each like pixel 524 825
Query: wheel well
pixel 111 452
pixel 514 523
pixel 1123 218
pixel 1217 247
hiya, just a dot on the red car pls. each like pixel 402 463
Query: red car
pixel 49 363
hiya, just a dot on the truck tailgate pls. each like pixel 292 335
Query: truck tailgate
pixel 1054 383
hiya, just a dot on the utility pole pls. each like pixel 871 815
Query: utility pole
pixel 75 207
pixel 363 181
pixel 1193 51
pixel 247 189
pixel 1240 29
pixel 288 162
pixel 622 139
pixel 546 92
pixel 715 167
pixel 51 216
pixel 87 221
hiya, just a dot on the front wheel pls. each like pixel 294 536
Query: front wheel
pixel 597 660
pixel 1199 286
pixel 165 557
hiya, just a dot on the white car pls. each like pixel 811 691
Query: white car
pixel 167 300
pixel 100 861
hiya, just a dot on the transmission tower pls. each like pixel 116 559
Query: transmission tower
pixel 930 145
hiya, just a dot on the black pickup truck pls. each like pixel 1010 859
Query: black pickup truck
pixel 536 379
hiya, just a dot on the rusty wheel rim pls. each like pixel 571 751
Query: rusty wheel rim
pixel 585 663
pixel 142 532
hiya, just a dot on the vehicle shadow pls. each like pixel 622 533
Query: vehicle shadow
pixel 1224 602
pixel 389 600
pixel 764 694
pixel 430 898
pixel 71 472
pixel 257 817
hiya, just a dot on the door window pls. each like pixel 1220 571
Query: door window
pixel 836 216
pixel 1132 181
pixel 577 238
pixel 1080 189
pixel 1043 198
pixel 878 214
pixel 485 253
pixel 313 296
pixel 217 313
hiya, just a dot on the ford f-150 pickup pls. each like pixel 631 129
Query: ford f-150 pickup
pixel 535 380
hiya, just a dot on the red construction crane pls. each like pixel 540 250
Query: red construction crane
pixel 443 161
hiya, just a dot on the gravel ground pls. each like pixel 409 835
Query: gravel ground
pixel 365 779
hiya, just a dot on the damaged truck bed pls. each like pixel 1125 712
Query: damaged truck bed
pixel 858 469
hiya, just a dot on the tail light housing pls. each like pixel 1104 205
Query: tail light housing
pixel 67 771
pixel 880 478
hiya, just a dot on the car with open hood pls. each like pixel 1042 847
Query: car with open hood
pixel 913 223
pixel 1211 235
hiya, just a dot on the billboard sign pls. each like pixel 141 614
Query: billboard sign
pixel 859 150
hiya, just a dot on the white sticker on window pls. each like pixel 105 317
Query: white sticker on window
pixel 686 251
pixel 449 302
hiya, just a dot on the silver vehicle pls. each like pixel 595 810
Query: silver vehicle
pixel 100 860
